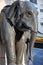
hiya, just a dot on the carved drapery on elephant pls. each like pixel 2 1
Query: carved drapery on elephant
pixel 17 20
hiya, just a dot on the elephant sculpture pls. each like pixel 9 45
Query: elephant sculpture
pixel 17 20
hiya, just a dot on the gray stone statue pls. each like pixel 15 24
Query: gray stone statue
pixel 17 20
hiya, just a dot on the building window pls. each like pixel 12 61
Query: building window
pixel 41 10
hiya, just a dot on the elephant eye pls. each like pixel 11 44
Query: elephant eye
pixel 28 14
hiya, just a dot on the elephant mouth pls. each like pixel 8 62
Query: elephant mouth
pixel 21 25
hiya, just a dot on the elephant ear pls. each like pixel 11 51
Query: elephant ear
pixel 9 12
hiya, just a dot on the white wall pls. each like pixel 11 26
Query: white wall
pixel 2 4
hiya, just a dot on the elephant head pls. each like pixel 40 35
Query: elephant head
pixel 24 15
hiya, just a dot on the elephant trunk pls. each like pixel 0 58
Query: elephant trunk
pixel 33 36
